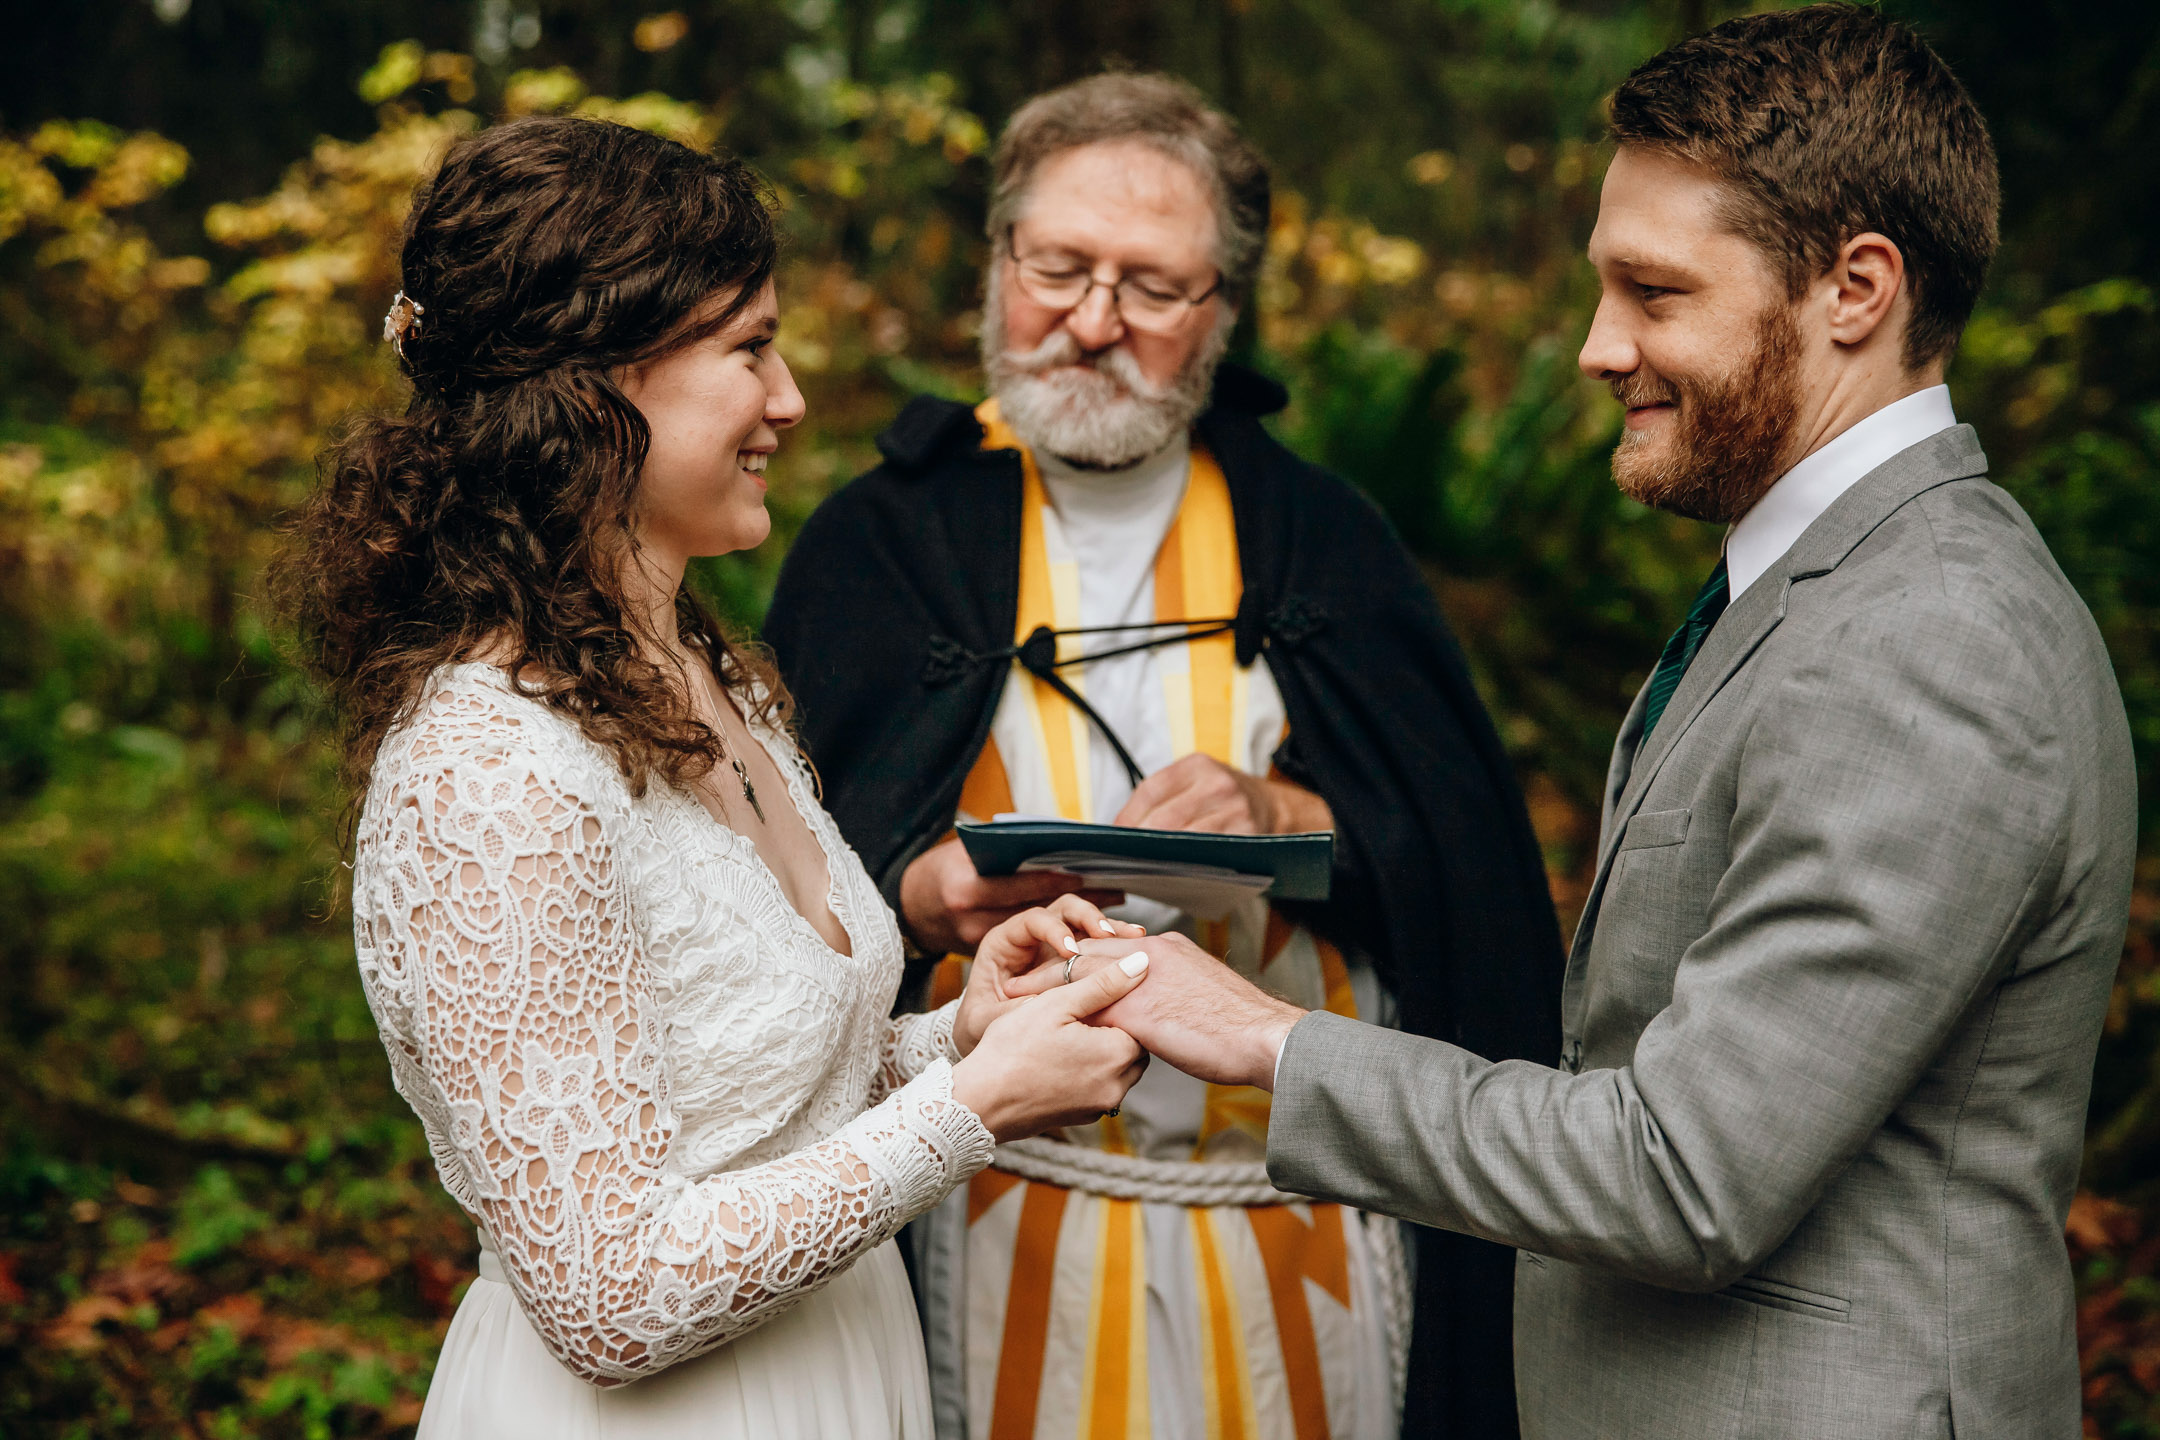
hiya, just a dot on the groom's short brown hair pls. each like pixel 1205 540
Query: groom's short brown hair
pixel 1826 122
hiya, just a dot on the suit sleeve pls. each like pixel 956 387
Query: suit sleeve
pixel 1901 798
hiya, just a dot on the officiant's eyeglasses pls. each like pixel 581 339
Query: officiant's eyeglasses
pixel 1145 302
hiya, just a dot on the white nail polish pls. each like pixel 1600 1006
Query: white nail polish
pixel 1134 963
pixel 1071 944
pixel 1108 928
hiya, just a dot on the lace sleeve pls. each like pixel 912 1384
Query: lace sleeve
pixel 914 1043
pixel 504 960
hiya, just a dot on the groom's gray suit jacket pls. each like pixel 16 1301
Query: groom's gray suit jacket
pixel 1829 1019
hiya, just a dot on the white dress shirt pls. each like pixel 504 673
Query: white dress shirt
pixel 1114 522
pixel 1763 535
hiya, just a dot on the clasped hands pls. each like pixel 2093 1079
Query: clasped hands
pixel 1064 1006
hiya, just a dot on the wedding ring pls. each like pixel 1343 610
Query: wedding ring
pixel 1068 968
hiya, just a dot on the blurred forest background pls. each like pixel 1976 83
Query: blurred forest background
pixel 216 1219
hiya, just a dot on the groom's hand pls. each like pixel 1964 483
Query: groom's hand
pixel 1194 1012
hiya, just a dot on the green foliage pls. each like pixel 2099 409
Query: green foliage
pixel 212 1217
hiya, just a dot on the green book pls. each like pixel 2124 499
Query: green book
pixel 1146 862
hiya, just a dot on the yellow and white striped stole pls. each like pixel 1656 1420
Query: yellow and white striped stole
pixel 1073 1282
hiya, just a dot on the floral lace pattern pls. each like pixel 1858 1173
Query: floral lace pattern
pixel 672 1109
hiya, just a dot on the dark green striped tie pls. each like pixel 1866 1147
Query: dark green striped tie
pixel 1680 650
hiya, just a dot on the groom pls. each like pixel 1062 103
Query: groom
pixel 1830 1016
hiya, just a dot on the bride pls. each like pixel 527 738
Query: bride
pixel 627 973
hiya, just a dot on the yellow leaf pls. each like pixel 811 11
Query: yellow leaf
pixel 452 71
pixel 136 169
pixel 1433 167
pixel 659 114
pixel 83 144
pixel 542 92
pixel 394 72
pixel 663 31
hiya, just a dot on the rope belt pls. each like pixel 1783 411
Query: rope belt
pixel 1130 1177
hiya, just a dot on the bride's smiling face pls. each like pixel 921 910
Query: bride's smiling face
pixel 716 407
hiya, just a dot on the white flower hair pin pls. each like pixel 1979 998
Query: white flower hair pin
pixel 402 319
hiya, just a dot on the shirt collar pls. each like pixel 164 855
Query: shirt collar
pixel 1763 535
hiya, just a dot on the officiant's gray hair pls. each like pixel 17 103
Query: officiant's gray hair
pixel 1159 111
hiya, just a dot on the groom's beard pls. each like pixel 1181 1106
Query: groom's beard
pixel 1728 435
pixel 1099 410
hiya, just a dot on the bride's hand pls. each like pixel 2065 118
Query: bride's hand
pixel 1048 934
pixel 1041 1064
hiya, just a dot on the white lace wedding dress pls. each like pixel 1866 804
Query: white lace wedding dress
pixel 684 1124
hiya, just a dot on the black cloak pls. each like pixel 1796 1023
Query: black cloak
pixel 905 583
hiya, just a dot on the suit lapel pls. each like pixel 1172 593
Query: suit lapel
pixel 1736 635
pixel 1731 641
pixel 1954 454
pixel 1617 771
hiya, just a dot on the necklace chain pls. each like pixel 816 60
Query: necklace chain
pixel 742 775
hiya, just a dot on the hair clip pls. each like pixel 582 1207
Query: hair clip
pixel 402 319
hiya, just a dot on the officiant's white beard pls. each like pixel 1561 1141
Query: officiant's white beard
pixel 1104 415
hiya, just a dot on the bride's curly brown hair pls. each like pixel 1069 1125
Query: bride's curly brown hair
pixel 493 519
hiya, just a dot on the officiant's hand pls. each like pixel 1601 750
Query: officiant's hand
pixel 1194 1012
pixel 1199 792
pixel 948 907
pixel 1047 935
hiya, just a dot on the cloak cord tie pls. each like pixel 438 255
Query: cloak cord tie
pixel 948 660
pixel 1038 656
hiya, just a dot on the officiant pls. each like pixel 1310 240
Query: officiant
pixel 1109 594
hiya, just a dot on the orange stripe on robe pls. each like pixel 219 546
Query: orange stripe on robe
pixel 1294 1251
pixel 1027 1311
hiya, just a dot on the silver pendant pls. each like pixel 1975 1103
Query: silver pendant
pixel 749 791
